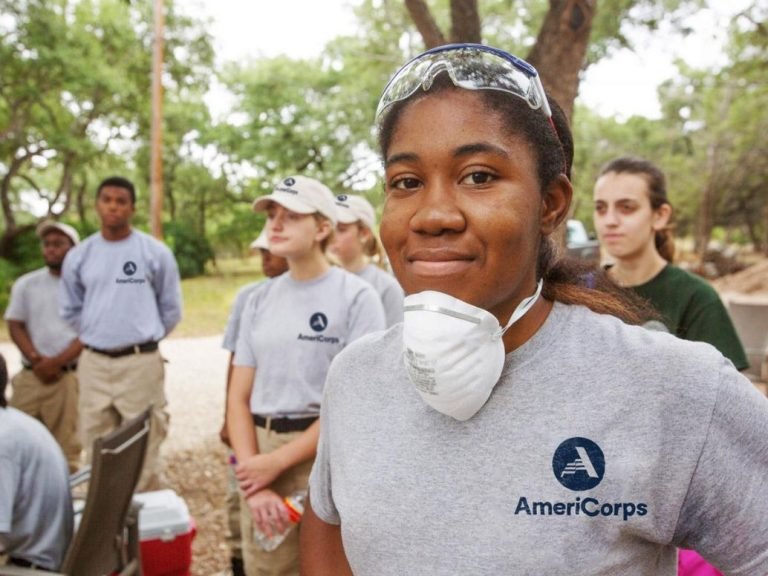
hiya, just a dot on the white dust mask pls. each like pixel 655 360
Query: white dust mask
pixel 453 351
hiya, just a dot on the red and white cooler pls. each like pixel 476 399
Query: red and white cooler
pixel 166 531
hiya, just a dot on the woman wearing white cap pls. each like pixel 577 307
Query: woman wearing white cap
pixel 292 327
pixel 356 246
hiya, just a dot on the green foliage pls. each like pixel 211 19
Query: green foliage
pixel 74 107
pixel 192 251
pixel 8 274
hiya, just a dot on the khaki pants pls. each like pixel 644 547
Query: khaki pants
pixel 284 560
pixel 113 390
pixel 55 405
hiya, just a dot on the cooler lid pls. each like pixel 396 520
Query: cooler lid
pixel 163 515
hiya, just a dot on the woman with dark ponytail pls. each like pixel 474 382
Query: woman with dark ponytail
pixel 632 217
pixel 512 424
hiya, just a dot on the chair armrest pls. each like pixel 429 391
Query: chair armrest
pixel 79 477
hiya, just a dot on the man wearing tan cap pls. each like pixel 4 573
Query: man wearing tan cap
pixel 46 388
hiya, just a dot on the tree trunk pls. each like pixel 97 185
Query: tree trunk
pixel 425 24
pixel 765 224
pixel 465 21
pixel 704 217
pixel 561 48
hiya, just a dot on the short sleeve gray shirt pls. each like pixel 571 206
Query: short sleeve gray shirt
pixel 34 301
pixel 291 330
pixel 602 448
pixel 389 290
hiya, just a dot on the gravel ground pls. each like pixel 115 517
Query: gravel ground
pixel 195 459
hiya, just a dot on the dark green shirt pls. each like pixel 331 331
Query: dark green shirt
pixel 692 310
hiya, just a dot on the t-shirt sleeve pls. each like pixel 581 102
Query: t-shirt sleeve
pixel 709 322
pixel 366 314
pixel 392 297
pixel 232 331
pixel 168 290
pixel 71 290
pixel 725 513
pixel 320 485
pixel 244 352
pixel 17 306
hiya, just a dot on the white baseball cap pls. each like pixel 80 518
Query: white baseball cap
pixel 302 195
pixel 353 208
pixel 49 225
pixel 262 242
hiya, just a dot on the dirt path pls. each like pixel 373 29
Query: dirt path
pixel 195 459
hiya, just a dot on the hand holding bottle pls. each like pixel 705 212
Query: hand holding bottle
pixel 270 537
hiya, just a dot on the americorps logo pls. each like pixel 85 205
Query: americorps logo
pixel 129 269
pixel 318 322
pixel 579 464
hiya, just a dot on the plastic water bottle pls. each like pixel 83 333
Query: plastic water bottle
pixel 294 506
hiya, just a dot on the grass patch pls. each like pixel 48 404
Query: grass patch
pixel 207 299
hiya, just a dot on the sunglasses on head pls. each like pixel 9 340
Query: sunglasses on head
pixel 469 66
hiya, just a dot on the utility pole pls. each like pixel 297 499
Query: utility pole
pixel 156 162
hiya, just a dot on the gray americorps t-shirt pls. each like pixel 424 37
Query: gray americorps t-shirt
pixel 291 330
pixel 602 447
pixel 389 290
pixel 120 293
pixel 34 301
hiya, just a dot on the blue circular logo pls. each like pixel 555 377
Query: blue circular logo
pixel 130 268
pixel 289 181
pixel 579 464
pixel 341 197
pixel 318 322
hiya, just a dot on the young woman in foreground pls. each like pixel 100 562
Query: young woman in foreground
pixel 557 446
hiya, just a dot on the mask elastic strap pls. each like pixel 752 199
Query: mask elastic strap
pixel 522 308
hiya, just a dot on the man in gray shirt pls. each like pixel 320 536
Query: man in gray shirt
pixel 46 387
pixel 35 503
pixel 121 291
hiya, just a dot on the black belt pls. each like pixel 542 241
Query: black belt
pixel 281 425
pixel 68 368
pixel 118 352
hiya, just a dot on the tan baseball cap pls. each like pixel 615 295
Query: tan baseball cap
pixel 352 208
pixel 49 225
pixel 302 195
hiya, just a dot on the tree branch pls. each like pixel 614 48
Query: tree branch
pixel 465 21
pixel 425 23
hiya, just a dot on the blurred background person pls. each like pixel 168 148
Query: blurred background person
pixel 271 266
pixel 632 216
pixel 357 247
pixel 36 514
pixel 120 289
pixel 292 327
pixel 46 387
